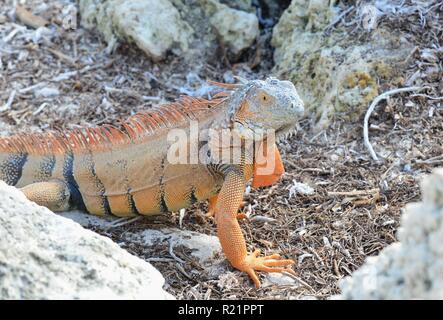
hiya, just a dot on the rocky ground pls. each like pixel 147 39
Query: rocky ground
pixel 338 58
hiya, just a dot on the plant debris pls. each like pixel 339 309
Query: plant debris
pixel 53 78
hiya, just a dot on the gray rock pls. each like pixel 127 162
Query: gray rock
pixel 413 267
pixel 334 73
pixel 159 26
pixel 204 247
pixel 154 25
pixel 238 29
pixel 45 256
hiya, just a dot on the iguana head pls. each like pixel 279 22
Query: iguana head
pixel 258 107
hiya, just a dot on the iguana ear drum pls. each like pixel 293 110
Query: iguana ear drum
pixel 243 112
pixel 267 168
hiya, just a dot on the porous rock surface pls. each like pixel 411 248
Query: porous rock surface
pixel 45 256
pixel 333 71
pixel 154 25
pixel 184 28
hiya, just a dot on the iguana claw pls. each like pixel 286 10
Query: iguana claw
pixel 271 263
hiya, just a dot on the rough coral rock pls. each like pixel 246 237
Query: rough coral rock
pixel 334 73
pixel 162 26
pixel 154 25
pixel 45 256
pixel 413 267
pixel 238 29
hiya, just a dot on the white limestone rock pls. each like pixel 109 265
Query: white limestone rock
pixel 45 256
pixel 334 73
pixel 238 29
pixel 162 26
pixel 155 26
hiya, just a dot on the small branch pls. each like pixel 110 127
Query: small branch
pixel 171 252
pixel 39 109
pixel 426 96
pixel 69 74
pixel 262 219
pixel 8 103
pixel 354 192
pixel 13 33
pixel 131 93
pixel 63 57
pixel 433 160
pixel 371 108
pixel 159 260
pixel 337 20
pixel 181 216
pixel 30 19
pixel 33 87
pixel 121 222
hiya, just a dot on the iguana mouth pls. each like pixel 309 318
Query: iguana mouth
pixel 285 132
pixel 281 134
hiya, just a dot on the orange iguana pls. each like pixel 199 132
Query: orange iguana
pixel 126 170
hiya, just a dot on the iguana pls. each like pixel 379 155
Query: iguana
pixel 125 169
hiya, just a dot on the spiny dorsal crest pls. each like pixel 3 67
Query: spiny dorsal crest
pixel 136 128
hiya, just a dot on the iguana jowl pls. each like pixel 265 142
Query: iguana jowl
pixel 124 170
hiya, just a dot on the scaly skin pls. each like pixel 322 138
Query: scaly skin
pixel 128 170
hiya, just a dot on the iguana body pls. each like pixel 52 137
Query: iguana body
pixel 128 171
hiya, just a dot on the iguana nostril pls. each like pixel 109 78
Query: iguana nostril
pixel 298 107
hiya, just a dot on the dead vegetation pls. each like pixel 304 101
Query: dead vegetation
pixel 64 78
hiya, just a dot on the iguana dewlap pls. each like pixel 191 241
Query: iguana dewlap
pixel 165 159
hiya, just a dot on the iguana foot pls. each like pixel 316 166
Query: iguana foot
pixel 271 263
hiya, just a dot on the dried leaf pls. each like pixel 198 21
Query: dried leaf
pixel 30 19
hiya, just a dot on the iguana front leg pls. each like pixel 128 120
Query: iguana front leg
pixel 230 234
pixel 53 194
pixel 212 202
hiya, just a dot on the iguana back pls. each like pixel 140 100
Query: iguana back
pixel 117 170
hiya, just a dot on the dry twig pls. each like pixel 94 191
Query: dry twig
pixel 30 19
pixel 8 103
pixel 371 108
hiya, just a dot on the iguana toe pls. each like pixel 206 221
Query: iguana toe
pixel 271 263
